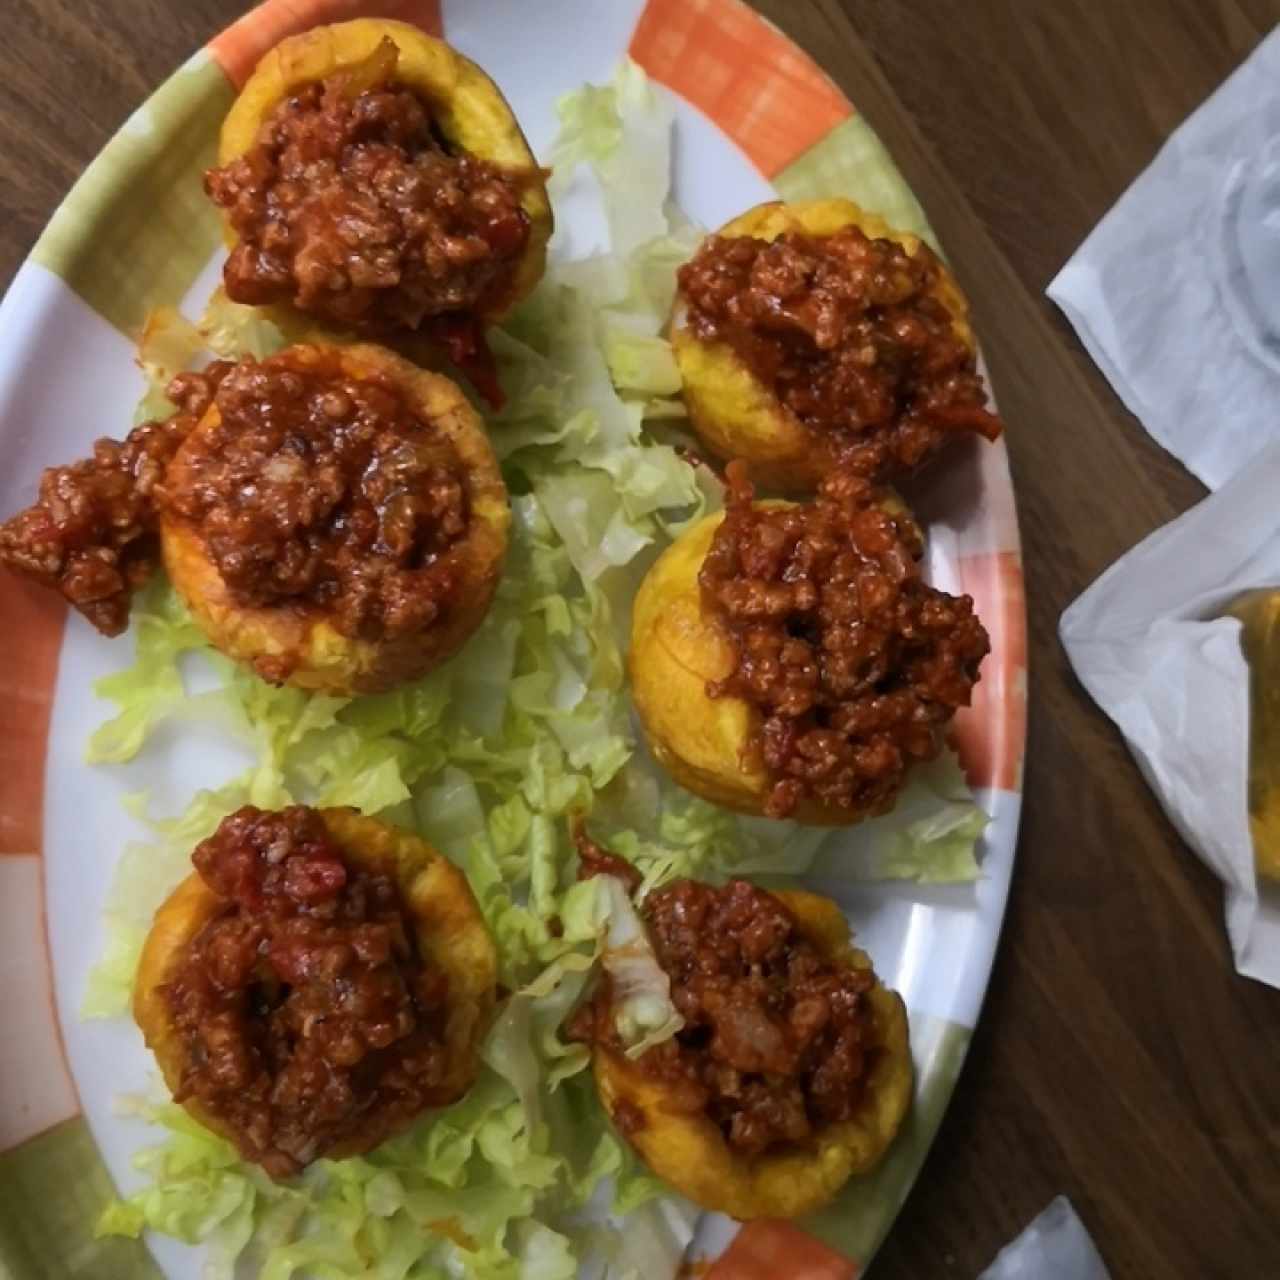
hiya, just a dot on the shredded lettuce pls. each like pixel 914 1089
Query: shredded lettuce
pixel 641 363
pixel 169 344
pixel 624 132
pixel 145 875
pixel 489 757
pixel 642 1008
pixel 232 330
pixel 151 690
pixel 932 834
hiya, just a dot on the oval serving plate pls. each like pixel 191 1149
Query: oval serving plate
pixel 754 117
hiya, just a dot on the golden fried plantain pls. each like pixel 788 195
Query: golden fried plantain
pixel 686 1149
pixel 708 745
pixel 452 938
pixel 467 107
pixel 296 642
pixel 734 413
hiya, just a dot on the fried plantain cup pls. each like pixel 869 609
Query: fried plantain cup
pixel 451 935
pixel 735 413
pixel 296 642
pixel 687 1150
pixel 467 108
pixel 708 745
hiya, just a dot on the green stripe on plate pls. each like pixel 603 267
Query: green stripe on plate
pixel 136 229
pixel 52 1189
pixel 860 1217
pixel 851 161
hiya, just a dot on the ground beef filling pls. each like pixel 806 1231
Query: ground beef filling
pixel 352 206
pixel 853 661
pixel 847 333
pixel 595 860
pixel 776 1042
pixel 92 533
pixel 305 1009
pixel 320 489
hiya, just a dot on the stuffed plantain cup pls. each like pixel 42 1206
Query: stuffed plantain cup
pixel 337 519
pixel 792 1070
pixel 810 334
pixel 789 660
pixel 376 181
pixel 319 981
pixel 333 516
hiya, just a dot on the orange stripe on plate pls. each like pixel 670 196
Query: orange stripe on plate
pixel 36 1088
pixel 766 1250
pixel 33 622
pixel 773 100
pixel 238 49
pixel 990 735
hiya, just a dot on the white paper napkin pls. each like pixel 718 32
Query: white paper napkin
pixel 1054 1247
pixel 1176 294
pixel 1146 642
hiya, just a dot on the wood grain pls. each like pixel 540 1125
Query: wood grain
pixel 1120 1059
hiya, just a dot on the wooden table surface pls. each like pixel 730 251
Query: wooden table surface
pixel 1119 1059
